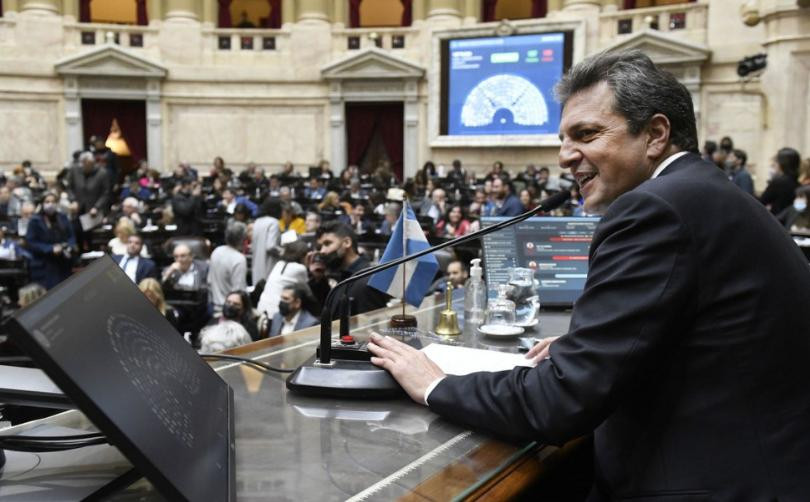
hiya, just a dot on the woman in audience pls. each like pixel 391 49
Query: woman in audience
pixel 454 224
pixel 330 203
pixel 289 269
pixel 50 239
pixel 154 293
pixel 526 199
pixel 239 308
pixel 796 217
pixel 124 229
pixel 781 188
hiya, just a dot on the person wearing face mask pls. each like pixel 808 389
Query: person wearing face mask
pixel 292 315
pixel 50 239
pixel 796 217
pixel 337 246
pixel 230 329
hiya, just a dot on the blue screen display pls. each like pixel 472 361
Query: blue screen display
pixel 504 85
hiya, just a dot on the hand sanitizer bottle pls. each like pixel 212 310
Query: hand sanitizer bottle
pixel 475 295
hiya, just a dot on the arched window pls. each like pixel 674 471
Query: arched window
pixel 495 10
pixel 379 13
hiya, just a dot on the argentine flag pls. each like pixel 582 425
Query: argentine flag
pixel 416 276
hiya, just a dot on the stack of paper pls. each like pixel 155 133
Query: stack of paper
pixel 455 360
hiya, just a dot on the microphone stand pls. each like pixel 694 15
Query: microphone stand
pixel 350 372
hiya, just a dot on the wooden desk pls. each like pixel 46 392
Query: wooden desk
pixel 291 447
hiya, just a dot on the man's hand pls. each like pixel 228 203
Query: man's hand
pixel 93 211
pixel 540 349
pixel 411 368
pixel 57 249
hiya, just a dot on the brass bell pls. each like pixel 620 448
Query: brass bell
pixel 448 319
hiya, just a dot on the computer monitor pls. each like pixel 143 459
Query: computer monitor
pixel 556 248
pixel 128 370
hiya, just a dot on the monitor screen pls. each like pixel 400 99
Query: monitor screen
pixel 130 372
pixel 555 248
pixel 503 85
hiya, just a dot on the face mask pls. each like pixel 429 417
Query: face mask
pixel 230 311
pixel 800 205
pixel 284 309
pixel 333 260
pixel 49 208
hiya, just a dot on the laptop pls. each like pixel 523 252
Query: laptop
pixel 556 248
pixel 128 370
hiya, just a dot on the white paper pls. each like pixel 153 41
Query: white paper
pixel 455 360
pixel 89 221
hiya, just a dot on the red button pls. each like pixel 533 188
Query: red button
pixel 347 340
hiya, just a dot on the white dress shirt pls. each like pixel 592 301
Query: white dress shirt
pixel 130 266
pixel 289 326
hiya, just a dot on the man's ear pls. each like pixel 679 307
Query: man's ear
pixel 659 130
pixel 346 243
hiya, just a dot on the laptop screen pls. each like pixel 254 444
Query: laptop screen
pixel 555 248
pixel 131 373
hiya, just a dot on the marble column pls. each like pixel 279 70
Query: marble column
pixel 410 150
pixel 154 126
pixel 10 6
pixel 339 11
pixel 337 126
pixel 313 11
pixel 73 117
pixel 181 10
pixel 443 10
pixel 472 11
pixel 154 10
pixel 287 11
pixel 70 8
pixel 40 6
pixel 579 4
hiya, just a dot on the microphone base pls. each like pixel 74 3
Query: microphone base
pixel 345 379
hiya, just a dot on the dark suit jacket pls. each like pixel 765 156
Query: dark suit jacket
pixel 200 277
pixel 779 193
pixel 687 353
pixel 146 268
pixel 90 190
pixel 305 320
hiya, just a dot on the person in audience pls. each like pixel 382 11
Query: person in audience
pixel 330 204
pixel 288 170
pixel 228 268
pixel 6 212
pixel 223 335
pixel 273 186
pixel 438 205
pixel 454 223
pixel 796 217
pixel 290 219
pixel 528 176
pixel 781 189
pixel 108 160
pixel 134 265
pixel 505 203
pixel 709 147
pixel 187 207
pixel 479 202
pixel 265 237
pixel 52 244
pixel 130 208
pixel 726 144
pixel 737 173
pixel 457 274
pixel 357 218
pixel 497 171
pixel 90 185
pixel 10 249
pixel 30 293
pixel 151 289
pixel 288 270
pixel 312 222
pixel 804 172
pixel 337 245
pixel 118 245
pixel 238 308
pixel 291 314
pixel 543 183
pixel 392 210
pixel 526 199
pixel 457 175
pixel 27 210
pixel 230 200
pixel 720 158
pixel 315 190
pixel 185 272
pixel 355 191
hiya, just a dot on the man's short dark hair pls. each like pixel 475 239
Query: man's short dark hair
pixel 741 156
pixel 709 147
pixel 299 291
pixel 457 164
pixel 271 207
pixel 640 90
pixel 789 160
pixel 338 228
pixel 544 169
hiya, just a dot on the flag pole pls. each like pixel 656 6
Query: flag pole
pixel 404 216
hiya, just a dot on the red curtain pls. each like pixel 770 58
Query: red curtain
pixel 224 17
pixel 489 10
pixel 407 12
pixel 539 8
pixel 84 11
pixel 274 19
pixel 143 19
pixel 390 123
pixel 354 13
pixel 360 122
pixel 98 114
pixel 629 4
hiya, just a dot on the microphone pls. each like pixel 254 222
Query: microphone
pixel 350 373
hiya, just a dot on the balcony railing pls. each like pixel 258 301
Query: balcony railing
pixel 121 34
pixel 245 39
pixel 393 38
pixel 687 21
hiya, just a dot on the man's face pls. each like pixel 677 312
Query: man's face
pixel 497 188
pixel 359 211
pixel 604 158
pixel 289 298
pixel 733 160
pixel 227 196
pixel 333 248
pixel 134 245
pixel 312 222
pixel 438 196
pixel 182 255
pixel 456 274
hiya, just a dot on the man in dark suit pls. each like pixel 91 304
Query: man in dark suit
pixel 187 274
pixel 134 265
pixel 292 315
pixel 687 352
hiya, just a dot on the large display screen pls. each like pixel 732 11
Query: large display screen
pixel 503 85
pixel 556 248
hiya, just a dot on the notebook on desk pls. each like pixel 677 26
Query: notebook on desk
pixel 126 368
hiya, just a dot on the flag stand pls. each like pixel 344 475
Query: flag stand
pixel 403 321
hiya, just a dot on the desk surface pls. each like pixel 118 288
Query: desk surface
pixel 290 447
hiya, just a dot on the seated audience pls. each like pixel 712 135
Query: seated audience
pixel 291 315
pixel 357 219
pixel 454 223
pixel 10 249
pixel 796 217
pixel 238 308
pixel 315 190
pixel 123 230
pixel 290 219
pixel 230 200
pixel 150 287
pixel 134 265
pixel 390 218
